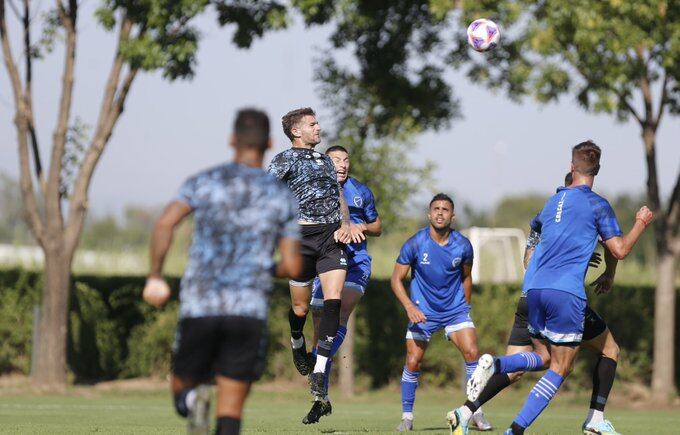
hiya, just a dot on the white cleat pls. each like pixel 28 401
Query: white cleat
pixel 199 415
pixel 479 420
pixel 480 377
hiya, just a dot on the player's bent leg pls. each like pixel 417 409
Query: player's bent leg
pixel 604 374
pixel 415 351
pixel 231 396
pixel 299 295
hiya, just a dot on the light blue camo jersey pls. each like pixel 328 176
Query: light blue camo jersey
pixel 311 177
pixel 240 213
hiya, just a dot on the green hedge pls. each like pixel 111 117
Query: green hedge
pixel 113 334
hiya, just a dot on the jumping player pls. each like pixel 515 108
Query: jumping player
pixel 363 213
pixel 596 337
pixel 441 289
pixel 241 214
pixel 325 228
pixel 570 224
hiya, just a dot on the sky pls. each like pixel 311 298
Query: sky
pixel 170 130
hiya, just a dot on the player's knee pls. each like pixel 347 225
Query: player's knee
pixel 471 354
pixel 611 350
pixel 300 308
pixel 562 369
pixel 412 363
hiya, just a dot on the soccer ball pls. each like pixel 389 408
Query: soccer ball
pixel 483 34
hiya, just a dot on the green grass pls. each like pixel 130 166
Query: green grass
pixel 86 411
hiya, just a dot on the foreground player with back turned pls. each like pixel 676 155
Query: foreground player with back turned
pixel 440 259
pixel 570 222
pixel 241 214
pixel 325 227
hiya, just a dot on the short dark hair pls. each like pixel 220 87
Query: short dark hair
pixel 292 118
pixel 586 158
pixel 568 179
pixel 442 197
pixel 337 148
pixel 251 129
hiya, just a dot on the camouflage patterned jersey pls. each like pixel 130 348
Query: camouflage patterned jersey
pixel 311 177
pixel 240 213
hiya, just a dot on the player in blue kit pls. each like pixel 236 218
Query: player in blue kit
pixel 363 213
pixel 440 260
pixel 571 222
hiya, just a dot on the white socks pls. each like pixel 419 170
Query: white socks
pixel 594 416
pixel 407 416
pixel 465 413
pixel 190 398
pixel 320 365
pixel 297 342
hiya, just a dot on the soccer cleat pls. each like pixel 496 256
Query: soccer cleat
pixel 508 431
pixel 480 377
pixel 457 424
pixel 302 359
pixel 406 425
pixel 602 428
pixel 479 420
pixel 198 420
pixel 317 384
pixel 319 409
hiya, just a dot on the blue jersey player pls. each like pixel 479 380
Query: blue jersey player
pixel 363 213
pixel 440 261
pixel 571 222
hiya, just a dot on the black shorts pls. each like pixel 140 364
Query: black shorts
pixel 593 325
pixel 229 346
pixel 320 252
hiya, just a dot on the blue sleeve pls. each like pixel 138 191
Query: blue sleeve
pixel 468 253
pixel 279 166
pixel 187 192
pixel 605 220
pixel 536 225
pixel 408 252
pixel 370 213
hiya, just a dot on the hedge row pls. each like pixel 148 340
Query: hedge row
pixel 113 334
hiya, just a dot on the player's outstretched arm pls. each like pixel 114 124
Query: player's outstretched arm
pixel 620 247
pixel 348 232
pixel 397 282
pixel 156 291
pixel 291 261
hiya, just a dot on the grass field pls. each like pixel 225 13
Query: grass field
pixel 85 411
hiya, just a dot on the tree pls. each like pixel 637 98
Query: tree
pixel 615 57
pixel 151 35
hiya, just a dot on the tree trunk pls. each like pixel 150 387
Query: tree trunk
pixel 50 367
pixel 663 375
pixel 346 367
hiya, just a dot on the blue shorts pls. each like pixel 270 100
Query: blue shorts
pixel 556 315
pixel 357 278
pixel 450 324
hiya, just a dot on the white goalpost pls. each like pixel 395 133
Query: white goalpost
pixel 499 254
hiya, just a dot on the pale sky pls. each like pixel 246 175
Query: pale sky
pixel 172 130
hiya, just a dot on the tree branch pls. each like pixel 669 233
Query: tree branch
pixel 112 105
pixel 663 101
pixel 32 215
pixel 55 219
pixel 673 214
pixel 28 95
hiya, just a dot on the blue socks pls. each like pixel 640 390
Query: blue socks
pixel 409 383
pixel 519 362
pixel 337 342
pixel 539 398
pixel 469 368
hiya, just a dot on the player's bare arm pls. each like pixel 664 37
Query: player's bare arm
pixel 467 282
pixel 348 232
pixel 156 291
pixel 603 284
pixel 374 229
pixel 620 247
pixel 290 264
pixel 397 281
